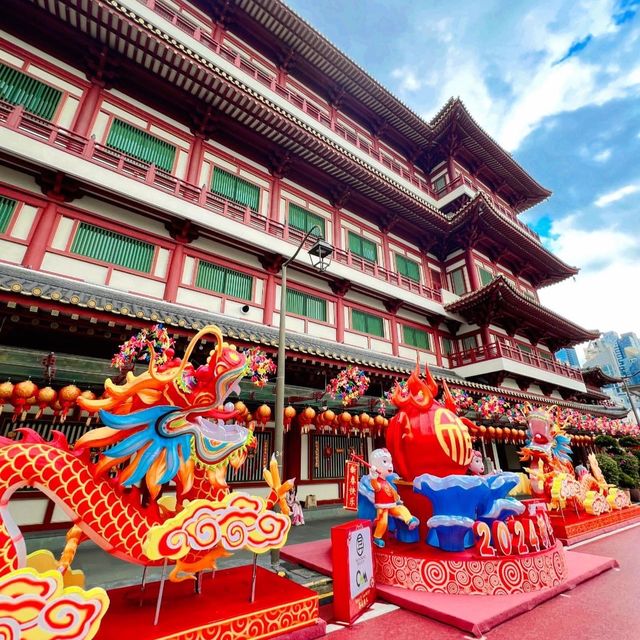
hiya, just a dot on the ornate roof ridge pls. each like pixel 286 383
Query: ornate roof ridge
pixel 448 111
pixel 501 282
pixel 480 197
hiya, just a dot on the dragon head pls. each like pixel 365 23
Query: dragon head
pixel 172 418
pixel 546 438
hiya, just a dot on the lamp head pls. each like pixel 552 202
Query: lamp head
pixel 320 254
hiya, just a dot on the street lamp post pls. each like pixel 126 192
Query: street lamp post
pixel 626 388
pixel 320 254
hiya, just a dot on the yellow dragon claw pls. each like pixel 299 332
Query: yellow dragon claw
pixel 279 489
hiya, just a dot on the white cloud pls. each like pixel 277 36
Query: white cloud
pixel 618 194
pixel 601 298
pixel 586 247
pixel 408 79
pixel 507 70
pixel 602 156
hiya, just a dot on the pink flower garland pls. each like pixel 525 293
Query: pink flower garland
pixel 259 366
pixel 136 348
pixel 348 385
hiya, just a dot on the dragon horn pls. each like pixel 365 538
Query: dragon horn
pixel 208 330
pixel 431 383
pixel 449 402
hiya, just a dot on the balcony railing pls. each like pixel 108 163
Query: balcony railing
pixel 17 119
pixel 176 17
pixel 496 350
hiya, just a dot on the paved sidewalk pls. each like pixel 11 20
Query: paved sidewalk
pixel 101 569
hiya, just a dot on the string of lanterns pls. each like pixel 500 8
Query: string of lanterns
pixel 24 395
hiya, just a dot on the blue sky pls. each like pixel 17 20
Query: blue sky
pixel 557 83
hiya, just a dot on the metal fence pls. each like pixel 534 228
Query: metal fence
pixel 329 452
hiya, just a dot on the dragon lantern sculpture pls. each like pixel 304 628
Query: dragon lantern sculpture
pixel 552 476
pixel 170 423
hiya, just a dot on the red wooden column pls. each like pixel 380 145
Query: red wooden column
pixel 338 198
pixel 474 280
pixel 58 189
pixel 196 154
pixel 101 71
pixel 451 168
pixel 88 109
pixel 392 306
pixel 44 227
pixel 272 264
pixel 486 336
pixel 340 288
pixel 436 341
pixel 279 165
pixel 182 232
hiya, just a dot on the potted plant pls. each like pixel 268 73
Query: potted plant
pixel 609 467
pixel 629 474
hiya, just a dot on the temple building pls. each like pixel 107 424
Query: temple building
pixel 160 159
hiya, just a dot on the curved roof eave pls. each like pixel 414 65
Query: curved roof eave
pixel 529 307
pixel 454 109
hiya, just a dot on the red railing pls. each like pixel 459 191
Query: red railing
pixel 17 119
pixel 496 350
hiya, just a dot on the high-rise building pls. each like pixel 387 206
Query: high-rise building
pixel 569 356
pixel 160 160
pixel 603 353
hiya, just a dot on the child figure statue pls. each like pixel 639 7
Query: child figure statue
pixel 476 466
pixel 387 500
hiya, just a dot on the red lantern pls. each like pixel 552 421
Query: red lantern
pixel 6 391
pixel 287 417
pixel 21 394
pixel 45 398
pixel 263 413
pixel 491 432
pixel 242 410
pixel 67 397
pixel 483 431
pixel 379 424
pixel 499 433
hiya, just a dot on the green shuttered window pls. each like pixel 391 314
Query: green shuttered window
pixel 408 268
pixel 469 342
pixel 363 247
pixel 235 189
pixel 35 96
pixel 367 323
pixel 304 220
pixel 141 145
pixel 108 246
pixel 416 337
pixel 305 305
pixel 7 207
pixel 223 280
pixel 485 276
pixel 457 282
pixel 447 346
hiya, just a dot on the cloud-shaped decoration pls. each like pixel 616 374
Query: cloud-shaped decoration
pixel 37 606
pixel 239 521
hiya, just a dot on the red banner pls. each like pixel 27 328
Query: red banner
pixel 351 485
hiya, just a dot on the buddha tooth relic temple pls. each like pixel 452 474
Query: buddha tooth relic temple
pixel 161 163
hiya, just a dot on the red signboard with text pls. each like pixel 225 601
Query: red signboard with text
pixel 354 589
pixel 351 485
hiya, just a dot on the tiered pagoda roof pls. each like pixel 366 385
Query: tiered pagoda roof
pixel 272 25
pixel 597 378
pixel 505 238
pixel 500 303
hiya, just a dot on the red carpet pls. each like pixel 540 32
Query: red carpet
pixel 572 528
pixel 282 609
pixel 476 614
